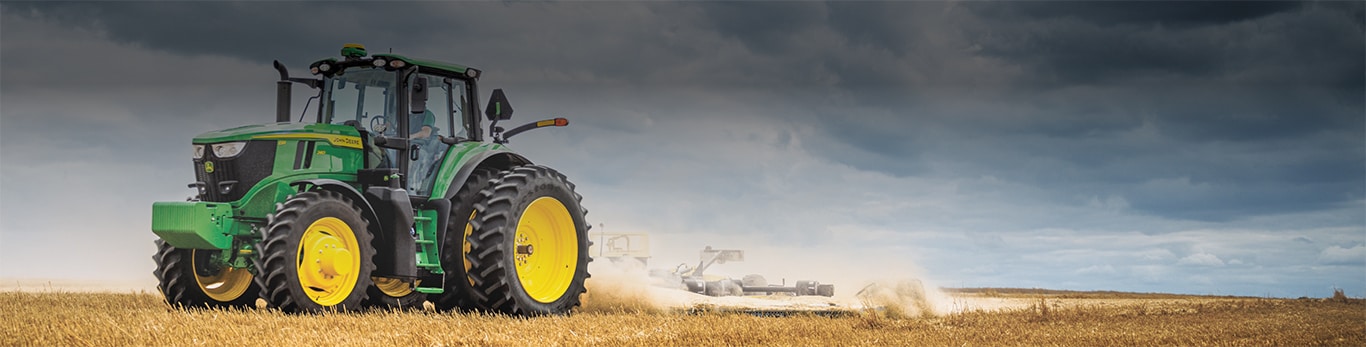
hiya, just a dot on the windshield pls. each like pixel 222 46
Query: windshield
pixel 364 95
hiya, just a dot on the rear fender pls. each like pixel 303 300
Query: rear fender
pixel 496 159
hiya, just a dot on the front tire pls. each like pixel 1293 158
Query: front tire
pixel 316 254
pixel 187 279
pixel 529 246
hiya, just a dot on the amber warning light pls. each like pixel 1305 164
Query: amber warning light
pixel 559 122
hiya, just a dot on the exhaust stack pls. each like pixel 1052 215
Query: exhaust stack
pixel 283 90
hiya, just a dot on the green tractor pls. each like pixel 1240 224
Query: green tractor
pixel 391 197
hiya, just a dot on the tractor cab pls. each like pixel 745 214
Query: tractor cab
pixel 411 112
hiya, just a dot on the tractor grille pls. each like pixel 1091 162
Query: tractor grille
pixel 252 165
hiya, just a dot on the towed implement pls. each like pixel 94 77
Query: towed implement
pixel 390 196
pixel 694 278
pixel 632 249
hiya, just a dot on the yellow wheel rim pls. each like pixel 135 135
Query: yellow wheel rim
pixel 392 287
pixel 329 260
pixel 465 244
pixel 227 285
pixel 546 250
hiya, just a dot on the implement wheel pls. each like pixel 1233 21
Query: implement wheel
pixel 455 246
pixel 826 290
pixel 189 278
pixel 528 244
pixel 316 254
pixel 806 288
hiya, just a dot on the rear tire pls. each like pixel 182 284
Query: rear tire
pixel 458 293
pixel 529 244
pixel 393 293
pixel 179 279
pixel 316 254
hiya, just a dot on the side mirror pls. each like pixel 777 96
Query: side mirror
pixel 418 102
pixel 498 108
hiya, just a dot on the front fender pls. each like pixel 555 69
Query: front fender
pixel 366 210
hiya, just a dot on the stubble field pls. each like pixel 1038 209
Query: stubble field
pixel 1077 319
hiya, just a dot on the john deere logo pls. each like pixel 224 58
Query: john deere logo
pixel 208 167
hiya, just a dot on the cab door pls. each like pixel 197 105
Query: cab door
pixel 441 116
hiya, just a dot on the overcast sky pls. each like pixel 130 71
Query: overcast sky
pixel 1206 147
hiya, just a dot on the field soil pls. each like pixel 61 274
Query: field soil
pixel 982 318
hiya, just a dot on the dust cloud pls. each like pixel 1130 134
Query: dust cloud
pixel 622 287
pixel 903 298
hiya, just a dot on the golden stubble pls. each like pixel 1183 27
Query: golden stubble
pixel 55 318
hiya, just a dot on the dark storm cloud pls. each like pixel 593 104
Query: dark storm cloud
pixel 1118 13
pixel 600 44
pixel 869 48
pixel 255 31
pixel 1257 42
pixel 766 27
pixel 1254 108
pixel 1206 110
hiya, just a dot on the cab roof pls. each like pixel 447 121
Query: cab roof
pixel 355 54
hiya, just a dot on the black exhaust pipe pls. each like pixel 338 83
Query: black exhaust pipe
pixel 283 88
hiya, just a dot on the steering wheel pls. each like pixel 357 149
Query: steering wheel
pixel 379 124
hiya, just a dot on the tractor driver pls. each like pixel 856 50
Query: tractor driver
pixel 420 125
pixel 420 128
pixel 421 131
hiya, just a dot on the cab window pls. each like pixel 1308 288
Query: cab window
pixel 441 117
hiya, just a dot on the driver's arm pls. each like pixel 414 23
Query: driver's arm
pixel 428 119
pixel 422 134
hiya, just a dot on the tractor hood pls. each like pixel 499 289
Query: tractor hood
pixel 343 135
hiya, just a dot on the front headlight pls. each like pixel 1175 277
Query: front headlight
pixel 228 150
pixel 198 151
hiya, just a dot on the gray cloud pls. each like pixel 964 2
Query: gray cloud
pixel 1337 255
pixel 1201 259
